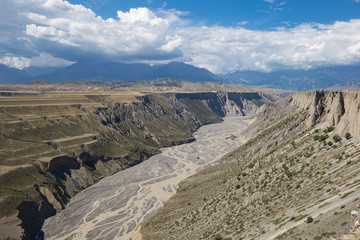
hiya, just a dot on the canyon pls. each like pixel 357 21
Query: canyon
pixel 113 207
pixel 179 165
pixel 60 143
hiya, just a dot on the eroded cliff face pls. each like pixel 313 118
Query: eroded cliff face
pixel 120 136
pixel 306 110
pixel 340 109
pixel 229 103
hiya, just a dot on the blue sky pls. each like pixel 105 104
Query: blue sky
pixel 259 14
pixel 220 35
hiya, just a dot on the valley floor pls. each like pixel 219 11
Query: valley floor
pixel 112 208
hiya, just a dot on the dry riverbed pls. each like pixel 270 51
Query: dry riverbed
pixel 112 208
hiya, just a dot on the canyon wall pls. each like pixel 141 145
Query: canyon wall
pixel 340 109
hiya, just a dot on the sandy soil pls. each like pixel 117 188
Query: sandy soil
pixel 112 208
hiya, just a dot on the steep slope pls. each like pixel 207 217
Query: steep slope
pixel 54 145
pixel 297 177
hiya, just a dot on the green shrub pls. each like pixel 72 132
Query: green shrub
pixel 348 135
pixel 337 138
pixel 218 237
pixel 330 129
pixel 138 150
pixel 309 220
pixel 323 137
pixel 346 194
pixel 251 165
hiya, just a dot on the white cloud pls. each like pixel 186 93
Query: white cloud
pixel 306 46
pixel 36 32
pixel 140 16
pixel 43 60
pixel 243 23
pixel 16 62
pixel 138 31
pixel 46 60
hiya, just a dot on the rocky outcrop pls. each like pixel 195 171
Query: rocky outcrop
pixel 229 103
pixel 63 164
pixel 340 109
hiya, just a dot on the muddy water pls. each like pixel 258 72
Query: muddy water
pixel 112 208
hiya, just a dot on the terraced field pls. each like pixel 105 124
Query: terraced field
pixel 35 127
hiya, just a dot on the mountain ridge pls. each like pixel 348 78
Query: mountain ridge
pixel 335 78
pixel 108 72
pixel 331 78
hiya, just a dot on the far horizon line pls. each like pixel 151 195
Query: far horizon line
pixel 183 62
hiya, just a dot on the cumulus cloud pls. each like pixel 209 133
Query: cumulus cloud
pixel 74 32
pixel 42 60
pixel 17 62
pixel 56 32
pixel 303 47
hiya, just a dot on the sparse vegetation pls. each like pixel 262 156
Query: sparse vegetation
pixel 309 220
pixel 304 163
pixel 347 194
pixel 329 129
pixel 337 138
pixel 232 137
pixel 348 135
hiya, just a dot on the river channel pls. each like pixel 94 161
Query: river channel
pixel 113 207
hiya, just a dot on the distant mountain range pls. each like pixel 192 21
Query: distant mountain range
pixel 337 77
pixel 108 72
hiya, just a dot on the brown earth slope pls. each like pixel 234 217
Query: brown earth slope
pixel 297 177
